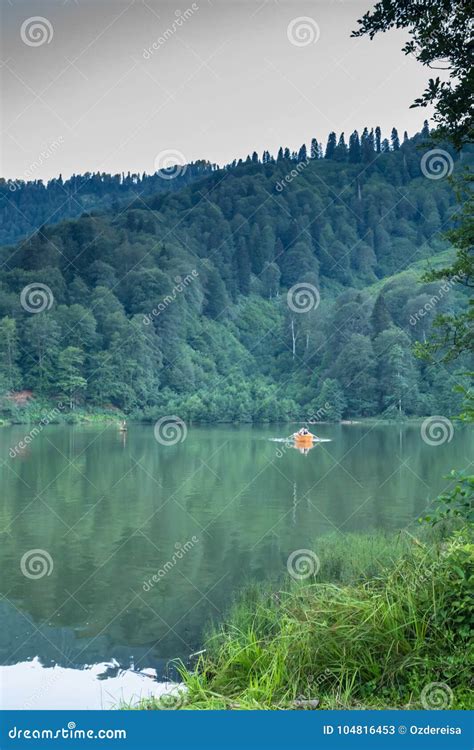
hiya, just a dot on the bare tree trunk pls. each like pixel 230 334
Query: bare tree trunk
pixel 293 337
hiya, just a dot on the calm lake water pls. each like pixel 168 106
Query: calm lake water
pixel 224 507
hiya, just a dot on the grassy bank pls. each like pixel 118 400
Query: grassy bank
pixel 38 412
pixel 383 620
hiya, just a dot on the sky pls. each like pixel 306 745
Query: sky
pixel 118 86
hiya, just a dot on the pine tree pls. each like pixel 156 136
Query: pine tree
pixel 340 154
pixel 378 139
pixel 366 146
pixel 302 154
pixel 314 149
pixel 354 148
pixel 216 300
pixel 395 140
pixel 380 318
pixel 331 146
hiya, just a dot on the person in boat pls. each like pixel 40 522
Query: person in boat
pixel 304 432
pixel 123 426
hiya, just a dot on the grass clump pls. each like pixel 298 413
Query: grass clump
pixel 373 642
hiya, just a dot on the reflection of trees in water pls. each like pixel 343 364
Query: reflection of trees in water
pixel 127 507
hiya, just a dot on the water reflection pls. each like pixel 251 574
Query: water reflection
pixel 115 508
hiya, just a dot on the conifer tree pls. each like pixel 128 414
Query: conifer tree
pixel 340 153
pixel 366 146
pixel 380 318
pixel 331 146
pixel 302 154
pixel 395 140
pixel 378 139
pixel 354 148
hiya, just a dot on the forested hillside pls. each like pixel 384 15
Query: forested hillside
pixel 26 205
pixel 183 303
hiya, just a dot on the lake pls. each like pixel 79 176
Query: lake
pixel 119 550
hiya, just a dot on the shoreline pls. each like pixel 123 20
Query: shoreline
pixel 74 419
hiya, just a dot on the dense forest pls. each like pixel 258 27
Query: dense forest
pixel 184 301
pixel 26 205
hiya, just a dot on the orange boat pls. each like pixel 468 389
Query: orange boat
pixel 304 441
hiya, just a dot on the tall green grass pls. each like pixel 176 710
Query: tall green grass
pixel 385 617
pixel 398 622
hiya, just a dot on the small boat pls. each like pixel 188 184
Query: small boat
pixel 123 426
pixel 304 441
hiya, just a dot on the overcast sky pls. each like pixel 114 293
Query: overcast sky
pixel 81 92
